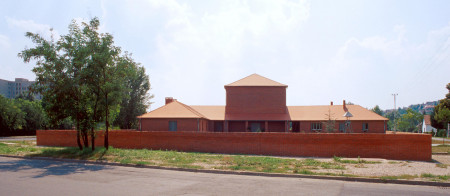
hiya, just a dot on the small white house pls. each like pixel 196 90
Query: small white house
pixel 426 125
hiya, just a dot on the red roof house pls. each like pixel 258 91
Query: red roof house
pixel 255 104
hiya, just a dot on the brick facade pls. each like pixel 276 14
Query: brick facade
pixel 255 100
pixel 183 124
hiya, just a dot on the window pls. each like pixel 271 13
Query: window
pixel 365 127
pixel 341 127
pixel 316 126
pixel 172 125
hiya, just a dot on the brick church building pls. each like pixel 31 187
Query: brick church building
pixel 258 104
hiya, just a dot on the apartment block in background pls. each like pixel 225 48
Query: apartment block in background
pixel 12 89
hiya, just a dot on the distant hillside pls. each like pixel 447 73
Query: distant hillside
pixel 423 108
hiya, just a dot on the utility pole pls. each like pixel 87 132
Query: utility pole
pixel 395 107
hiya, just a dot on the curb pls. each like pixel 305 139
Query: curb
pixel 341 178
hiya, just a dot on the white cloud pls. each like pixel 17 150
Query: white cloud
pixel 32 26
pixel 204 49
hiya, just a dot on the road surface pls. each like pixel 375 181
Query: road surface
pixel 43 177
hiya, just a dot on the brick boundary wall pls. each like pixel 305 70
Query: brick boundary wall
pixel 389 146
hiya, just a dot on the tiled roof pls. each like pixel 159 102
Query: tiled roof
pixel 296 113
pixel 427 119
pixel 174 109
pixel 256 80
pixel 211 112
pixel 319 113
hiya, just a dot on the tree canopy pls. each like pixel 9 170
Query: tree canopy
pixel 441 113
pixel 377 110
pixel 82 76
pixel 409 121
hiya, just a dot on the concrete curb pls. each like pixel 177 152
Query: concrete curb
pixel 341 178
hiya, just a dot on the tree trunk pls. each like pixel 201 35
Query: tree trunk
pixel 107 124
pixel 92 128
pixel 85 139
pixel 78 140
pixel 93 139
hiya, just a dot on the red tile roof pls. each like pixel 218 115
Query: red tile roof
pixel 256 80
pixel 319 113
pixel 174 109
pixel 427 119
pixel 295 113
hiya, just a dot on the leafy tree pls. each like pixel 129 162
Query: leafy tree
pixel 377 110
pixel 11 117
pixel 447 96
pixel 34 115
pixel 408 122
pixel 79 77
pixel 27 96
pixel 136 99
pixel 392 116
pixel 441 113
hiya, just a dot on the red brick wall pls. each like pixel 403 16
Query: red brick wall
pixel 389 146
pixel 162 124
pixel 261 100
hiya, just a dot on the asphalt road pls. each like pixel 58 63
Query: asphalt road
pixel 43 177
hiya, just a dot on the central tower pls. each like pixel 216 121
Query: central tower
pixel 255 94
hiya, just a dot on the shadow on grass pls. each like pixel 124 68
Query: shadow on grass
pixel 72 153
pixel 42 168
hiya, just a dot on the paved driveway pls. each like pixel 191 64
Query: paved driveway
pixel 42 177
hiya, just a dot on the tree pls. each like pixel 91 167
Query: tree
pixel 330 123
pixel 447 96
pixel 408 122
pixel 79 77
pixel 136 99
pixel 441 113
pixel 34 115
pixel 377 110
pixel 11 117
pixel 391 116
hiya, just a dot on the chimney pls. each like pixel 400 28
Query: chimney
pixel 169 100
pixel 331 103
pixel 344 106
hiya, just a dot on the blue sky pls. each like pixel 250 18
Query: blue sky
pixel 360 51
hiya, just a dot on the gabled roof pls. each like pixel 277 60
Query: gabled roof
pixel 427 119
pixel 319 113
pixel 295 113
pixel 256 80
pixel 174 109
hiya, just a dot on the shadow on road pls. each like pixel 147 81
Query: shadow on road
pixel 47 167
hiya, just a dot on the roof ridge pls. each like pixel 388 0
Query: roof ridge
pixel 267 78
pixel 256 75
pixel 191 109
pixel 155 109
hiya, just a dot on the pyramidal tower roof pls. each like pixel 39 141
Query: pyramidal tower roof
pixel 256 80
